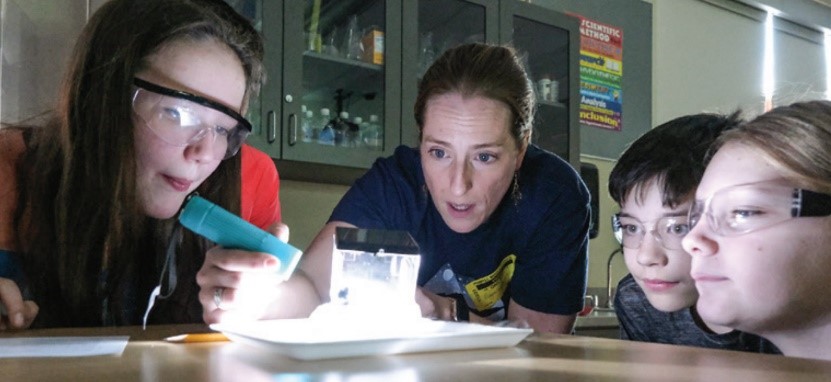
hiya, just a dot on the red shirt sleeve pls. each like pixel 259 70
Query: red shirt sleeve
pixel 260 193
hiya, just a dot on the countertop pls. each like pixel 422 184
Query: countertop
pixel 541 357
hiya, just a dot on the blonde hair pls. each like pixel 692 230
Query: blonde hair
pixel 795 139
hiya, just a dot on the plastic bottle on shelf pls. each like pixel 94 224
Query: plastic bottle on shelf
pixel 544 88
pixel 354 133
pixel 307 127
pixel 329 43
pixel 373 134
pixel 327 129
pixel 341 129
pixel 353 48
pixel 301 116
pixel 554 95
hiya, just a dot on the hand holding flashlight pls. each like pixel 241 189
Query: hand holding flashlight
pixel 230 231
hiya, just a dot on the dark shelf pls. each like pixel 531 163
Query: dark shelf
pixel 555 104
pixel 326 58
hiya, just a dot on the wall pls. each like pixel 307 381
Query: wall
pixel 601 247
pixel 708 56
pixel 34 48
pixel 306 208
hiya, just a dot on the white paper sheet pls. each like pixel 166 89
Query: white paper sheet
pixel 62 346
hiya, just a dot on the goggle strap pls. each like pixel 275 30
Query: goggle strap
pixel 814 204
pixel 796 203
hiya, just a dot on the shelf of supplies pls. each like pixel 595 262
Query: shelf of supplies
pixel 323 72
pixel 323 58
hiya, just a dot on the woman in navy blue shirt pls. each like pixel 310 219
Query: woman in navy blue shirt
pixel 501 224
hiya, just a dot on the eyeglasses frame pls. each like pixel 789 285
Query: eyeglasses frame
pixel 617 230
pixel 804 203
pixel 193 98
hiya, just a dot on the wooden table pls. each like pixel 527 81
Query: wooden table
pixel 538 358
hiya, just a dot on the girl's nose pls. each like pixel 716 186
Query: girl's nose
pixel 208 147
pixel 698 242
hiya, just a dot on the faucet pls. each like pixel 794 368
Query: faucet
pixel 609 278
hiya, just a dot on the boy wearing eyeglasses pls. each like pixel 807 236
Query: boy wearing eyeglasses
pixel 654 183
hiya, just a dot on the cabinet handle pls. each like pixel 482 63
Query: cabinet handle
pixel 271 130
pixel 292 129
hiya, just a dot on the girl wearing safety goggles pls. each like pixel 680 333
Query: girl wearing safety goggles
pixel 760 234
pixel 150 112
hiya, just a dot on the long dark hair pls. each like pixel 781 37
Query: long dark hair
pixel 90 254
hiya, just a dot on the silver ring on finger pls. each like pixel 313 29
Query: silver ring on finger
pixel 218 292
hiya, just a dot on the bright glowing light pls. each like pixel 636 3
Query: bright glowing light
pixel 767 68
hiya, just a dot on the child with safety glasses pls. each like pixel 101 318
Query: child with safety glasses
pixel 760 235
pixel 150 111
pixel 654 182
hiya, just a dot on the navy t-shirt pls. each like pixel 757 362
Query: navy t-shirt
pixel 533 251
pixel 10 269
pixel 10 266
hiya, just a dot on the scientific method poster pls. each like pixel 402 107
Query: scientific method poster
pixel 601 74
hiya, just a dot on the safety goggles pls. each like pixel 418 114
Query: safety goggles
pixel 182 119
pixel 744 208
pixel 668 231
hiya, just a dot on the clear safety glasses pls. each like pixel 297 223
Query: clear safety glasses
pixel 182 119
pixel 740 209
pixel 668 231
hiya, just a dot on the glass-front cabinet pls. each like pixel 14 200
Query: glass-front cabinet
pixel 333 80
pixel 437 25
pixel 253 10
pixel 340 80
pixel 549 45
pixel 547 42
pixel 343 74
